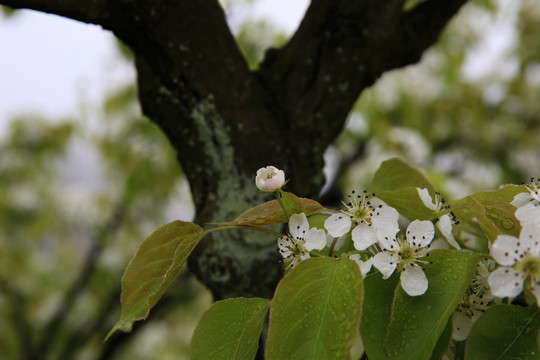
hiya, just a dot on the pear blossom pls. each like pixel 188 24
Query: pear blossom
pixel 367 222
pixel 445 221
pixel 468 311
pixel 520 260
pixel 475 302
pixel 365 266
pixel 528 204
pixel 296 246
pixel 269 179
pixel 405 254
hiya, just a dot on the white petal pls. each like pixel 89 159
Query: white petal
pixel 462 326
pixel 504 250
pixel 420 233
pixel 338 224
pixel 506 282
pixel 269 179
pixel 385 220
pixel 521 199
pixel 529 238
pixel 365 266
pixel 426 199
pixel 413 281
pixel 445 227
pixel 528 214
pixel 285 245
pixel 298 225
pixel 363 236
pixel 386 263
pixel 315 239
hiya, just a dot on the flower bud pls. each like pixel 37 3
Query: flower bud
pixel 269 179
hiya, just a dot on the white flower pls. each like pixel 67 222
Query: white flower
pixel 405 254
pixel 296 246
pixel 269 179
pixel 367 222
pixel 531 195
pixel 528 204
pixel 365 266
pixel 466 314
pixel 520 260
pixel 445 222
pixel 475 302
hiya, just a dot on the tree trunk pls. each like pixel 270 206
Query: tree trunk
pixel 225 122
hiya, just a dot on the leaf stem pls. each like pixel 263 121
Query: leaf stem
pixel 331 251
pixel 279 197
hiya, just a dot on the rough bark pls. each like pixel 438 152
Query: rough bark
pixel 225 121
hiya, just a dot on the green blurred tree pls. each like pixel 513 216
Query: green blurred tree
pixel 227 110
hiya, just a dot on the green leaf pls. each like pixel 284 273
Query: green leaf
pixel 444 343
pixel 394 174
pixel 398 326
pixel 230 330
pixel 505 332
pixel 378 299
pixel 493 217
pixel 502 215
pixel 316 311
pixel 417 322
pixel 506 194
pixel 407 202
pixel 154 267
pixel 395 182
pixel 271 212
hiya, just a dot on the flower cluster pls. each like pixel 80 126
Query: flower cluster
pixel 367 231
pixel 373 228
pixel 519 258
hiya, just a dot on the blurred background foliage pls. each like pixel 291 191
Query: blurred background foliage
pixel 78 195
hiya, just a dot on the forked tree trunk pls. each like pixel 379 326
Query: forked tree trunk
pixel 226 122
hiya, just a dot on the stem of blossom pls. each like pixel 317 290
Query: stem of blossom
pixel 279 197
pixel 245 227
pixel 331 251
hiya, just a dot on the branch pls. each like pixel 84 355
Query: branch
pixel 342 47
pixel 94 11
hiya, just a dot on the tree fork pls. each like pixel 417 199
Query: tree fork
pixel 225 122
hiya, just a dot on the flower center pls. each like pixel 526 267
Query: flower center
pixel 297 248
pixel 529 265
pixel 359 208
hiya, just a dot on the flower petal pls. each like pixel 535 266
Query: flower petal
pixel 521 199
pixel 365 266
pixel 506 282
pixel 413 280
pixel 298 225
pixel 420 233
pixel 426 199
pixel 528 214
pixel 529 238
pixel 363 236
pixel 338 224
pixel 505 250
pixel 269 179
pixel 385 220
pixel 445 227
pixel 386 263
pixel 315 239
pixel 461 325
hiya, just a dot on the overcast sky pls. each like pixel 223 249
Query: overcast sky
pixel 49 64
